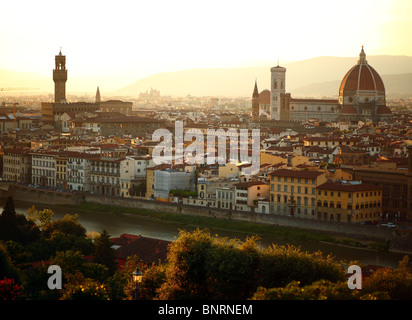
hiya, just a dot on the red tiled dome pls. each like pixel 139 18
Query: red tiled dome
pixel 264 97
pixel 361 77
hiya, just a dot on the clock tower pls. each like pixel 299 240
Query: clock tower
pixel 60 78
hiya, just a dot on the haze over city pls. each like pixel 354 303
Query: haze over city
pixel 119 44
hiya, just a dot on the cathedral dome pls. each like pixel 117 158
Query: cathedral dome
pixel 362 77
pixel 264 97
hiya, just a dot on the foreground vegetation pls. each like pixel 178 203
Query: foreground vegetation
pixel 198 266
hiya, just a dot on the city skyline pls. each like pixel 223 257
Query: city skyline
pixel 140 39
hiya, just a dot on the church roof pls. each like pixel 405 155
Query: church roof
pixel 348 109
pixel 384 110
pixel 361 77
pixel 264 97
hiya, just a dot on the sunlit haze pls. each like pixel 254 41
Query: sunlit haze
pixel 140 38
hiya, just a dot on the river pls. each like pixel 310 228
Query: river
pixel 139 225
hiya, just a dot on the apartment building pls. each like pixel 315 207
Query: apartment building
pixel 247 194
pixel 61 171
pixel 78 170
pixel 293 192
pixel 225 197
pixel 348 201
pixel 133 173
pixel 44 168
pixel 17 165
pixel 105 171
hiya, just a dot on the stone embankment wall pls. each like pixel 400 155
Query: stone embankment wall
pixel 365 232
pixel 399 240
pixel 37 196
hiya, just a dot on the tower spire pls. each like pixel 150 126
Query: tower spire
pixel 98 95
pixel 362 57
pixel 255 91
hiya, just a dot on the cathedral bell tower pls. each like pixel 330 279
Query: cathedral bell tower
pixel 278 84
pixel 60 78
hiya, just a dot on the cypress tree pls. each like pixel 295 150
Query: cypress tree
pixel 8 221
pixel 104 253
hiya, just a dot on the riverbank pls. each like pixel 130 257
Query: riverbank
pixel 277 233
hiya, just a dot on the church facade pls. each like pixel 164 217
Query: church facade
pixel 361 98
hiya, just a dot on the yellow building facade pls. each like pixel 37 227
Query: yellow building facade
pixel 293 192
pixel 348 202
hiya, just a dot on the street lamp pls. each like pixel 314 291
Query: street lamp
pixel 137 278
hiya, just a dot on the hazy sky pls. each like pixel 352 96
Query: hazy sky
pixel 146 37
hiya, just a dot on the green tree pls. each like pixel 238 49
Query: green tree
pixel 8 221
pixel 203 267
pixel 397 283
pixel 7 268
pixel 16 226
pixel 186 273
pixel 68 225
pixel 280 265
pixel 319 290
pixel 121 284
pixel 8 215
pixel 104 253
pixel 81 288
pixel 153 278
pixel 40 218
pixel 71 262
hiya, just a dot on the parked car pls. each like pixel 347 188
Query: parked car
pixel 388 225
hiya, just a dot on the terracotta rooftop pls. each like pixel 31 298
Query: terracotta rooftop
pixel 148 249
pixel 296 173
pixel 348 187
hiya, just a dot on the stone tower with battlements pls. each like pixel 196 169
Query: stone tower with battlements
pixel 60 78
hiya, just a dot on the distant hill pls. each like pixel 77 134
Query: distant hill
pixel 395 85
pixel 317 77
pixel 313 77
